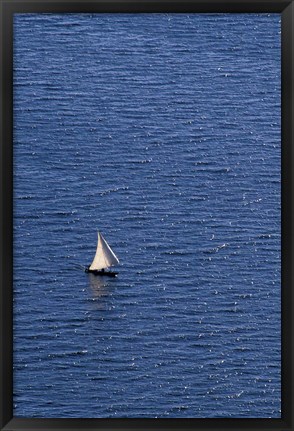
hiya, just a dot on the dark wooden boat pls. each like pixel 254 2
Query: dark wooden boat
pixel 97 272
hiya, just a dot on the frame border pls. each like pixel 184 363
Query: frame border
pixel 7 9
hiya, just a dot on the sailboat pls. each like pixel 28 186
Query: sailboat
pixel 104 258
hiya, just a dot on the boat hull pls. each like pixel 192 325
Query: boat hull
pixel 106 273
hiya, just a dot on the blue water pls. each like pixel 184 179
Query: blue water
pixel 162 131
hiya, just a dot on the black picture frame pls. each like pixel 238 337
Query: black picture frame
pixel 7 9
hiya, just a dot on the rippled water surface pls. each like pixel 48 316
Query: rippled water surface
pixel 163 132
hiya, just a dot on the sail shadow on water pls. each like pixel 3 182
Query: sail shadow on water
pixel 99 292
pixel 99 287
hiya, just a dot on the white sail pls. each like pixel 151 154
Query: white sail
pixel 104 256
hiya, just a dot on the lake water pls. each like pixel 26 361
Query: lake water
pixel 163 132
